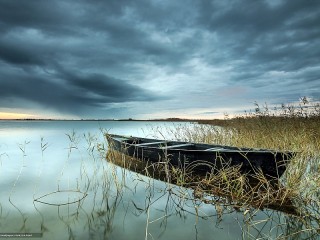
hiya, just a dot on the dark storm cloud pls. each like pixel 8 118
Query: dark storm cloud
pixel 76 94
pixel 48 41
pixel 18 54
pixel 108 89
pixel 84 56
pixel 45 15
pixel 283 37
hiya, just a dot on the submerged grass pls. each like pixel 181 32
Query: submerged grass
pixel 291 127
pixel 294 128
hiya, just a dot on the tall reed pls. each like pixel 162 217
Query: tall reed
pixel 288 127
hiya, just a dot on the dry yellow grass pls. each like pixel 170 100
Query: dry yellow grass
pixel 293 128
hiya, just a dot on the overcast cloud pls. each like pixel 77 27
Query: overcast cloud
pixel 156 58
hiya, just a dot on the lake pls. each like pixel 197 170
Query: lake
pixel 56 184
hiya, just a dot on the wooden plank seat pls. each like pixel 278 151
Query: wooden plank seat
pixel 149 143
pixel 177 146
pixel 216 149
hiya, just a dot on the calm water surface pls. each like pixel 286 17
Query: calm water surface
pixel 54 181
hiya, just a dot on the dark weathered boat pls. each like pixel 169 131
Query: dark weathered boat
pixel 203 158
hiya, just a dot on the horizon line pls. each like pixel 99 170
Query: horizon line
pixel 97 119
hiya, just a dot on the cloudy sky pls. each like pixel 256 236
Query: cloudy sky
pixel 155 58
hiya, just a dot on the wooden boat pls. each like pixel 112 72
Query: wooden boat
pixel 203 158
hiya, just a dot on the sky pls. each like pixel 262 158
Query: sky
pixel 147 59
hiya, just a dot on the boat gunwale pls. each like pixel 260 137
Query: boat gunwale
pixel 221 148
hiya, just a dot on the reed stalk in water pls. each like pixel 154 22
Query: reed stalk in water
pixel 293 128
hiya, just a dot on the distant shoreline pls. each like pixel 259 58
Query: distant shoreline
pixel 105 120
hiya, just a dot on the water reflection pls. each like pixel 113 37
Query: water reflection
pixel 253 223
pixel 118 203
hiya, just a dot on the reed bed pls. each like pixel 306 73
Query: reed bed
pixel 289 127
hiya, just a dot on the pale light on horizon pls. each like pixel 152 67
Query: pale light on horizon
pixel 8 115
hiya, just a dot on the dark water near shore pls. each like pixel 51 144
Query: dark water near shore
pixel 79 195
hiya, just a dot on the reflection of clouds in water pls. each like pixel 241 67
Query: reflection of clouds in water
pixel 115 207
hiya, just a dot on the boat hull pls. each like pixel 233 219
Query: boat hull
pixel 203 158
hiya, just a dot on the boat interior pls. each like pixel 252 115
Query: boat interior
pixel 174 145
pixel 165 144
